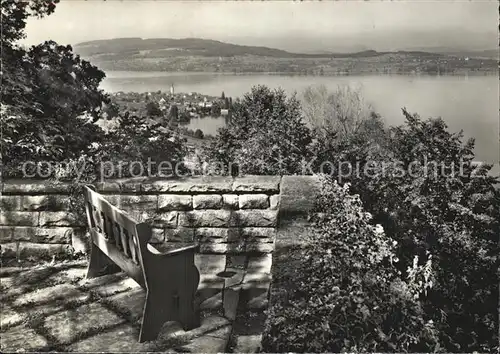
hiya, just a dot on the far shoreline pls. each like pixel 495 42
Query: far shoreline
pixel 152 73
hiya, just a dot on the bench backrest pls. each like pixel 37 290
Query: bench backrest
pixel 117 235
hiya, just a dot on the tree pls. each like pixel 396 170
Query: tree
pixel 198 134
pixel 266 134
pixel 215 110
pixel 343 111
pixel 431 199
pixel 153 109
pixel 50 97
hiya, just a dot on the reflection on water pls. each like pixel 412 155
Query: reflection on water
pixel 465 103
pixel 209 125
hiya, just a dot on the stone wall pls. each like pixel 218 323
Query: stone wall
pixel 223 215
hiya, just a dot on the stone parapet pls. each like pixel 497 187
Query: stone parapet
pixel 230 215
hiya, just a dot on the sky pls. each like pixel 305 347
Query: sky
pixel 289 25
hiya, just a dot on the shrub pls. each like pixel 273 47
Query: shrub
pixel 348 296
pixel 266 134
pixel 198 134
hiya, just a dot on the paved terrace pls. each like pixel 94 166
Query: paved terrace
pixel 51 307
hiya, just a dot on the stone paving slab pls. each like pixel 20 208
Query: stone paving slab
pixel 21 338
pixel 104 313
pixel 9 317
pixel 120 339
pixel 70 325
pixel 247 343
pixel 67 292
pixel 210 263
pixel 260 264
pixel 130 303
pixel 110 284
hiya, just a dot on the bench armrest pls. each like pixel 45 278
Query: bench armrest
pixel 171 250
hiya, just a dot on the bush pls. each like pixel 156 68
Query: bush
pixel 198 134
pixel 266 135
pixel 347 294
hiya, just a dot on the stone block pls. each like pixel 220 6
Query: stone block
pixel 181 234
pixel 274 202
pixel 9 250
pixel 230 201
pixel 123 185
pixel 265 184
pixel 253 201
pixel 42 250
pixel 6 234
pixel 133 202
pixel 53 202
pixel 11 202
pixel 169 202
pixel 107 187
pixel 222 248
pixel 24 186
pixel 204 184
pixel 252 217
pixel 158 235
pixel 69 325
pixel 80 241
pixel 205 218
pixel 254 234
pixel 19 218
pixel 44 234
pixel 157 220
pixel 208 201
pixel 60 218
pixel 217 235
pixel 259 247
pixel 21 339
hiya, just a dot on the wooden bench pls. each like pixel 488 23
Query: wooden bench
pixel 170 278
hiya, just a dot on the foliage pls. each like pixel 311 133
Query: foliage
pixel 153 109
pixel 215 110
pixel 142 149
pixel 431 198
pixel 346 294
pixel 50 97
pixel 198 134
pixel 343 111
pixel 266 134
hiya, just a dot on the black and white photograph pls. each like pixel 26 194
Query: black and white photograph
pixel 278 176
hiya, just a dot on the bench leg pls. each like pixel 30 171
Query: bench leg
pixel 189 315
pixel 157 311
pixel 99 263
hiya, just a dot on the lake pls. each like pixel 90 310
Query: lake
pixel 468 103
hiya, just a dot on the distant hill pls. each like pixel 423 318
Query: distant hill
pixel 125 48
pixel 486 54
pixel 205 55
